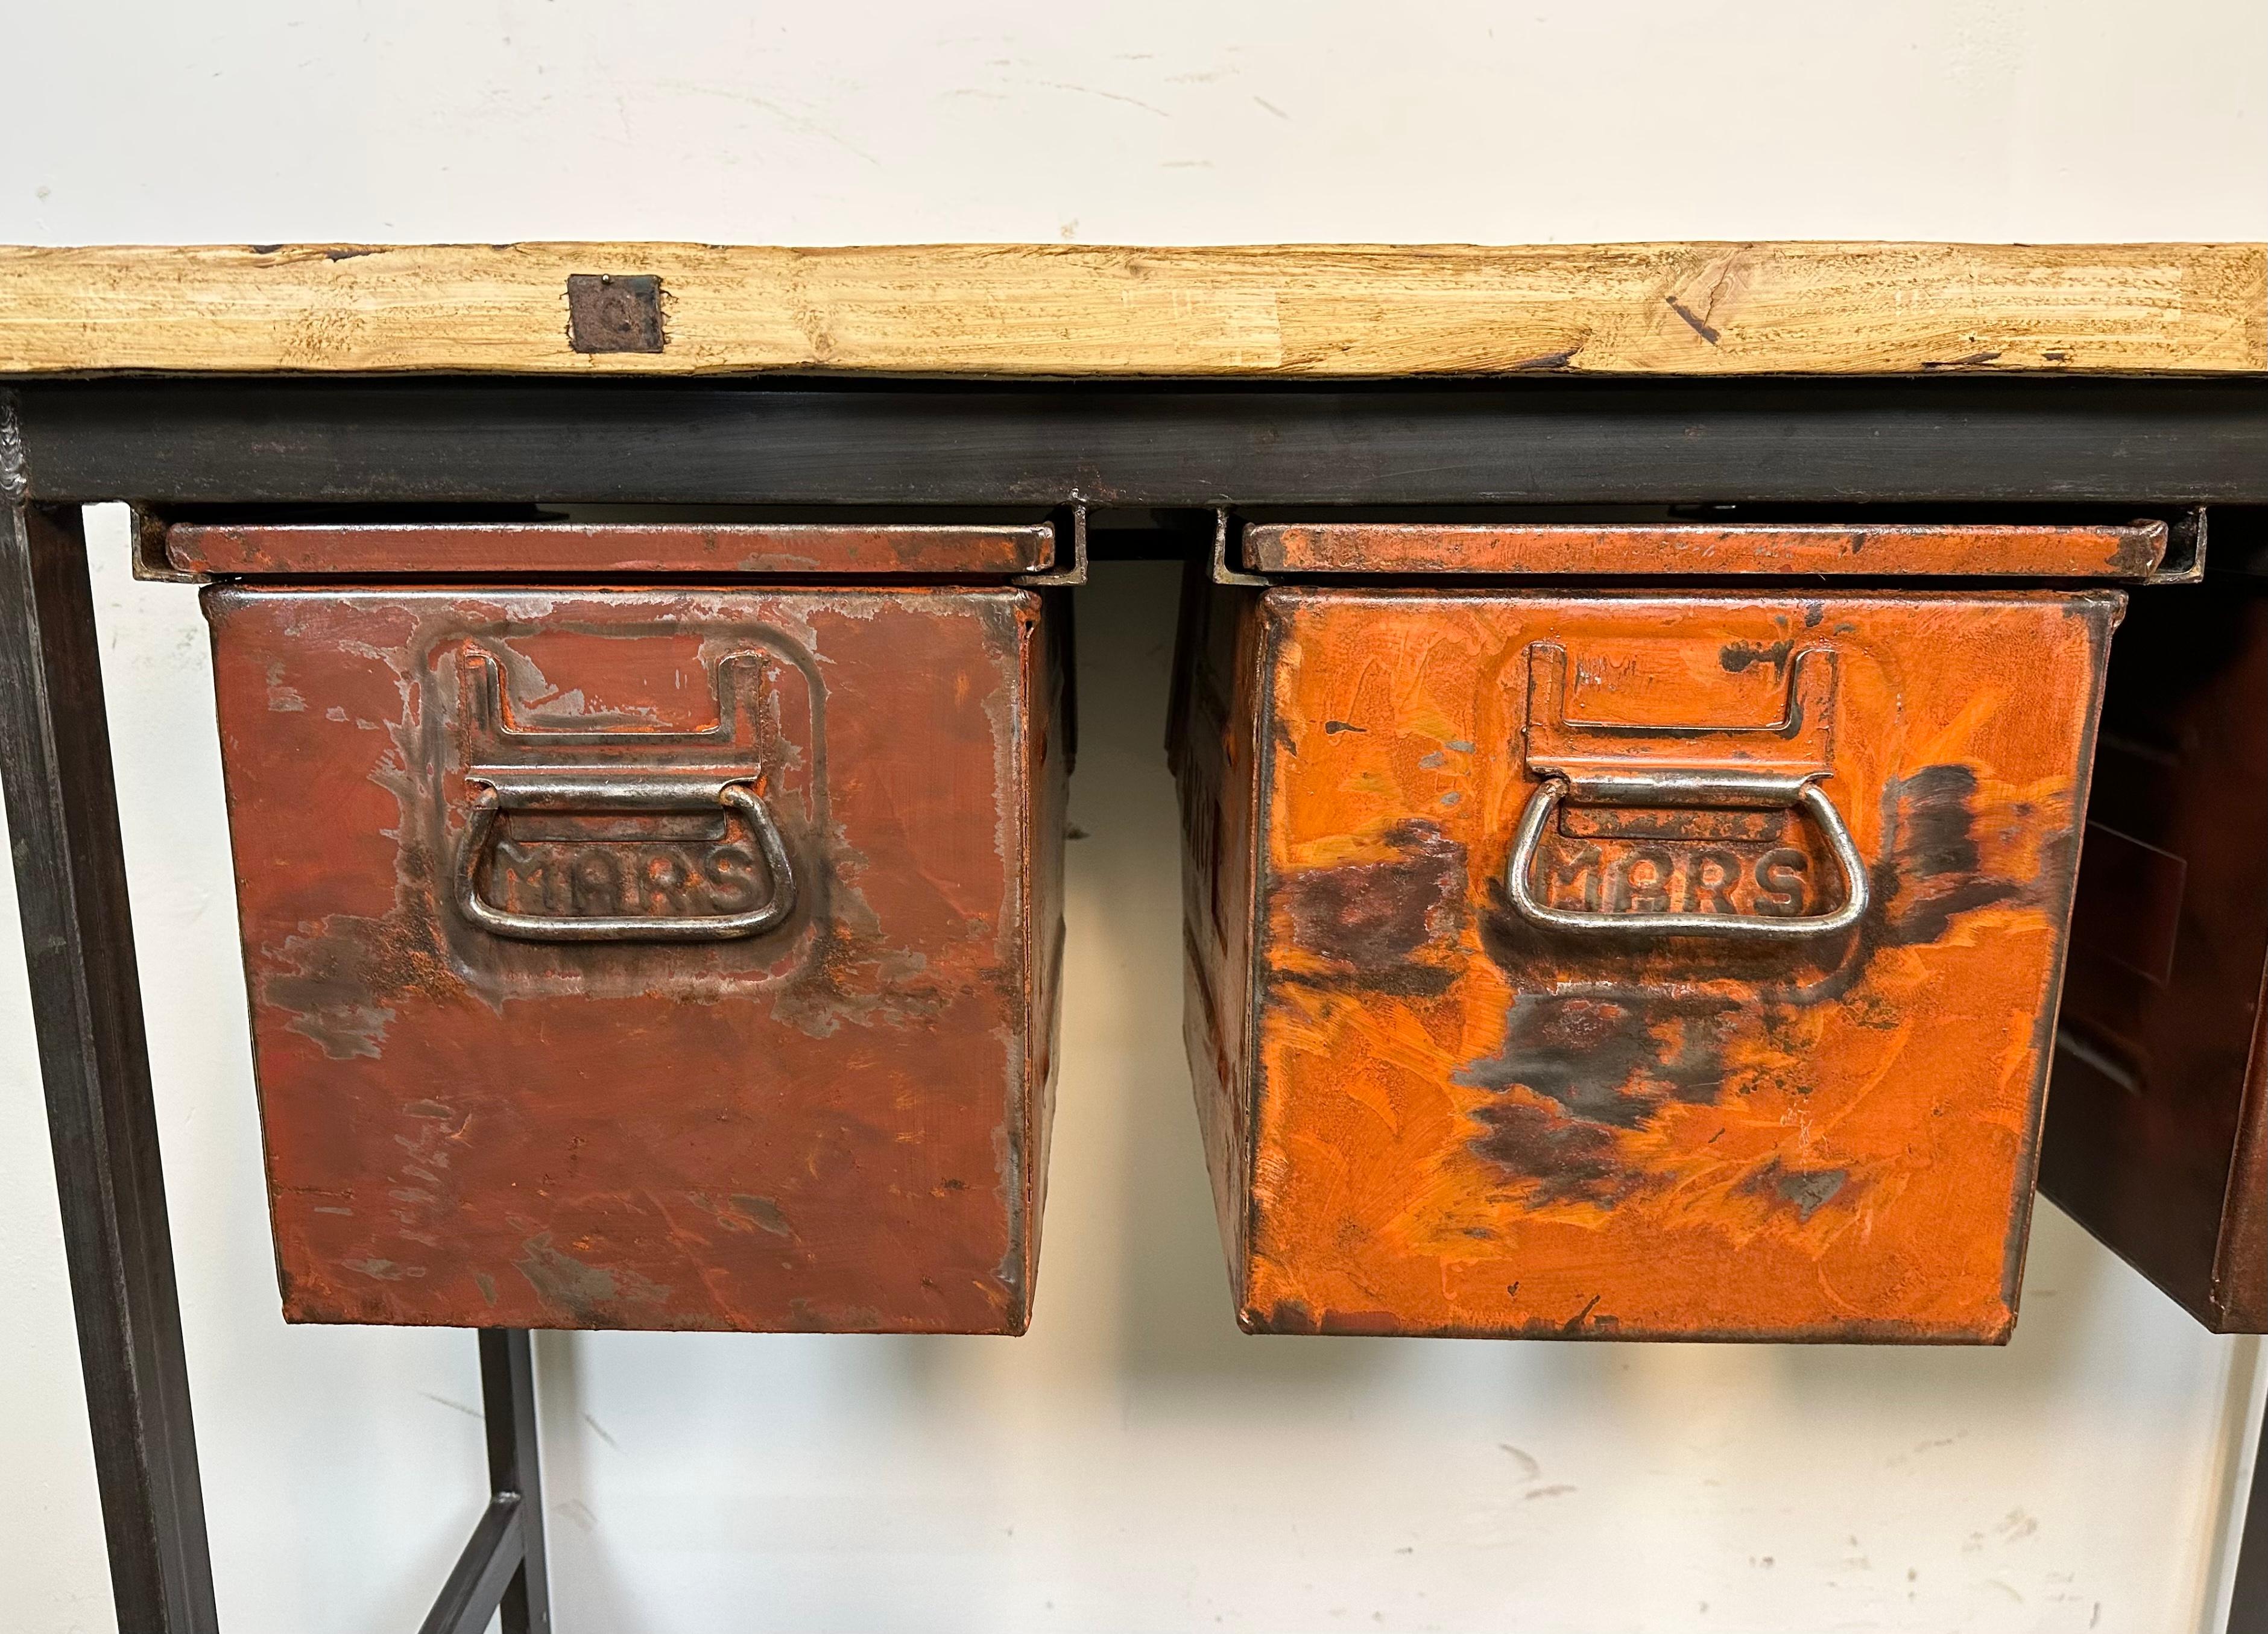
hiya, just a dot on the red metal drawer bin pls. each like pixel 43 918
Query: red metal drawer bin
pixel 671 957
pixel 2157 1133
pixel 1635 963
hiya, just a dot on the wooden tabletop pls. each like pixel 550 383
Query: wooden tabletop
pixel 1021 311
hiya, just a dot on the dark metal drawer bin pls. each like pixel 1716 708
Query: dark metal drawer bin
pixel 676 956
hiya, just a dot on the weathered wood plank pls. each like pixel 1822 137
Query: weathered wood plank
pixel 1060 310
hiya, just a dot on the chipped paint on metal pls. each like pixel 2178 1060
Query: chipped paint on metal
pixel 830 1124
pixel 643 551
pixel 13 484
pixel 1447 1119
pixel 2133 550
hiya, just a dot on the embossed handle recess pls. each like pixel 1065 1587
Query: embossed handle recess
pixel 1686 789
pixel 734 797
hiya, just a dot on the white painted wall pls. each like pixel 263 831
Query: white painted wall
pixel 1134 1464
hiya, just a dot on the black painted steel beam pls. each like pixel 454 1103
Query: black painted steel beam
pixel 446 440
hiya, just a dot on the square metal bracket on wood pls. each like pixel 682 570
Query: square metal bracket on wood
pixel 615 312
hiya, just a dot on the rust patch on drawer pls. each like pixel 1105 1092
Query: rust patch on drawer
pixel 1803 1103
pixel 644 959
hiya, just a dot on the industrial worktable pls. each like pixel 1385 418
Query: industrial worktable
pixel 347 382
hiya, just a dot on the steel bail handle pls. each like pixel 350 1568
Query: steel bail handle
pixel 1729 927
pixel 629 927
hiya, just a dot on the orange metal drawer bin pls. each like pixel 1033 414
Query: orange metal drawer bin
pixel 1633 963
pixel 675 957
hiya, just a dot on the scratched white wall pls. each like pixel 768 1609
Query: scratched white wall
pixel 1134 1464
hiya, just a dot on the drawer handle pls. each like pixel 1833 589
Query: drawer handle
pixel 734 797
pixel 1676 789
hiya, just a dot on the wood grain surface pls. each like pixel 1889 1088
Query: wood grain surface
pixel 1064 310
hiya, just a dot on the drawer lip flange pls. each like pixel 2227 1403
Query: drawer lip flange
pixel 2117 551
pixel 645 549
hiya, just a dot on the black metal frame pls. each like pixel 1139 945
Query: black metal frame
pixel 503 1566
pixel 454 441
pixel 263 441
pixel 86 1008
pixel 86 1003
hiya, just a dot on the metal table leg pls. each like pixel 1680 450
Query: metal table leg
pixel 2248 1604
pixel 502 1566
pixel 87 1007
